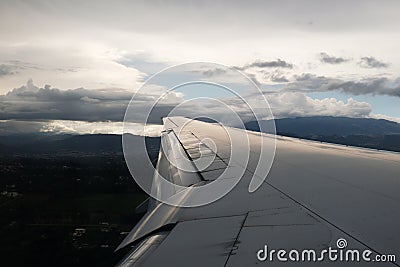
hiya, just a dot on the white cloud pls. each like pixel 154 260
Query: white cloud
pixel 71 45
pixel 11 127
pixel 82 127
pixel 298 105
pixel 68 65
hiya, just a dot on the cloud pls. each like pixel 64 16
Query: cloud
pixel 372 63
pixel 307 82
pixel 119 38
pixel 254 79
pixel 267 64
pixel 214 72
pixel 276 76
pixel 10 127
pixel 283 105
pixel 22 65
pixel 107 127
pixel 279 79
pixel 142 62
pixel 102 111
pixel 300 105
pixel 6 70
pixel 15 69
pixel 325 58
pixel 30 102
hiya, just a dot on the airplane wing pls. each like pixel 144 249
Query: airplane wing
pixel 315 195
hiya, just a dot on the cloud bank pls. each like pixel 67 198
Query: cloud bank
pixel 32 103
pixel 307 82
pixel 295 104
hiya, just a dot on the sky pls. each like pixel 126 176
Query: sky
pixel 73 66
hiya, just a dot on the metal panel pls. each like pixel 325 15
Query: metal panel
pixel 201 243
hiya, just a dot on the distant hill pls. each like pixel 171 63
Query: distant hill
pixel 92 143
pixel 329 126
pixel 382 142
pixel 372 133
pixel 362 132
pixel 20 140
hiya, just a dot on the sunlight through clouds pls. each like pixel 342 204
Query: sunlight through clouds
pixel 82 127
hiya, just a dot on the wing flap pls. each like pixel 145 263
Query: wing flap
pixel 193 243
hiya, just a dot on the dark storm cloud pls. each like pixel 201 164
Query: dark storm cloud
pixel 372 63
pixel 32 103
pixel 375 86
pixel 267 64
pixel 325 58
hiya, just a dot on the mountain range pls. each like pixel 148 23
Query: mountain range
pixel 363 132
pixel 330 126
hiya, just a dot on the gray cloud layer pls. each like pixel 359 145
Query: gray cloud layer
pixel 159 16
pixel 32 103
pixel 275 76
pixel 325 58
pixel 213 72
pixel 376 86
pixel 371 62
pixel 267 64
